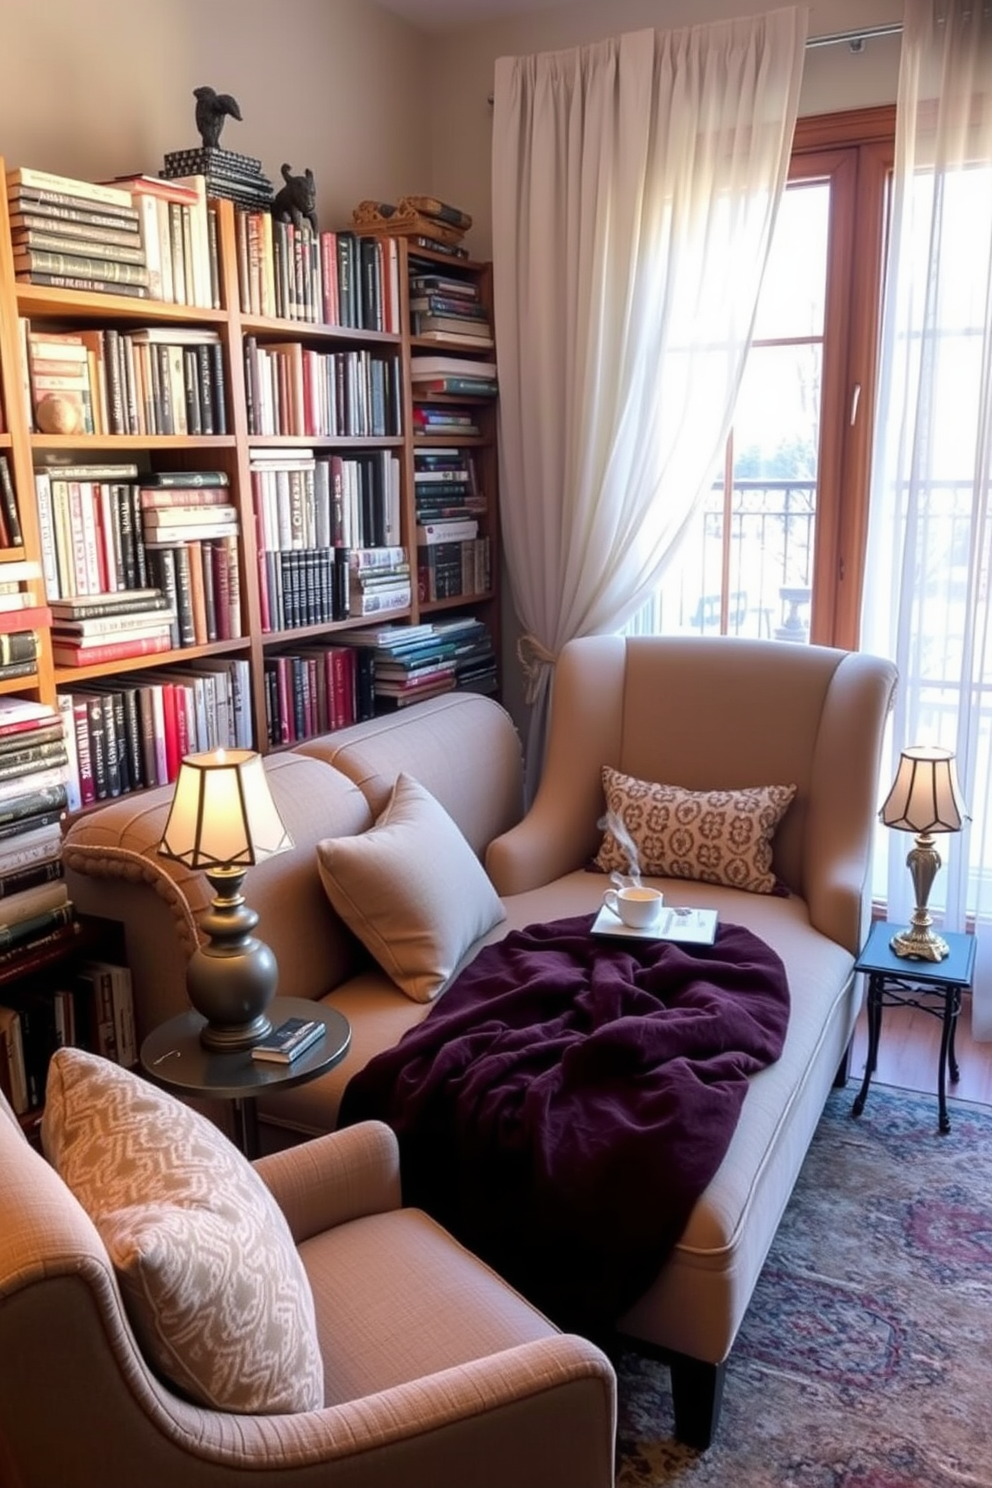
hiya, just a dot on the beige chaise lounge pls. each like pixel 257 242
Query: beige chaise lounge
pixel 698 713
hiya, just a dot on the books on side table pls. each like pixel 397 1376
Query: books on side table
pixel 287 1042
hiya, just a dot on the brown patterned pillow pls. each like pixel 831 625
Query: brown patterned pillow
pixel 211 1279
pixel 716 836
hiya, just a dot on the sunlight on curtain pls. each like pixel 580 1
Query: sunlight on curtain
pixel 635 187
pixel 927 598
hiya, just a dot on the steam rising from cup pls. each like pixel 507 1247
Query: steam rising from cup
pixel 615 824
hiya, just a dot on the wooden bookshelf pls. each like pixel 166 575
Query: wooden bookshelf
pixel 74 310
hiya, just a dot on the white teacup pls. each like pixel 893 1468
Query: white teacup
pixel 636 906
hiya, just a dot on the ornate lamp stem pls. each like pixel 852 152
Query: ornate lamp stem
pixel 920 940
pixel 232 978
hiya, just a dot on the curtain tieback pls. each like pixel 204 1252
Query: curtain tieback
pixel 535 659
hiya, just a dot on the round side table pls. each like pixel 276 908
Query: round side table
pixel 174 1058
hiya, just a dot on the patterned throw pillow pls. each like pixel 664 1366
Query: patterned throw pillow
pixel 716 836
pixel 210 1276
pixel 411 889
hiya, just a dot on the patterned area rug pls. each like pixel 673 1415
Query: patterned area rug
pixel 865 1358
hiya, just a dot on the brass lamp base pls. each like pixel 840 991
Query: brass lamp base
pixel 919 943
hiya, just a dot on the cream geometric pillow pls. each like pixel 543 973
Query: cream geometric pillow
pixel 411 889
pixel 210 1276
pixel 717 836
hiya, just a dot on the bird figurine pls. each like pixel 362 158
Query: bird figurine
pixel 212 109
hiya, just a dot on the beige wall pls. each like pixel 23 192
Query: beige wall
pixel 463 65
pixel 105 87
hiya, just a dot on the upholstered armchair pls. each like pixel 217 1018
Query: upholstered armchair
pixel 434 1371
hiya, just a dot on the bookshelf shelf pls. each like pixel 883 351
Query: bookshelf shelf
pixel 35 300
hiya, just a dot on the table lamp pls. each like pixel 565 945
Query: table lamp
pixel 925 798
pixel 223 820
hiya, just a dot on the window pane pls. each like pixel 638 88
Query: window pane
pixel 793 299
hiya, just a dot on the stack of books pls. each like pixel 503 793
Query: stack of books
pixel 75 235
pixel 413 662
pixel 36 913
pixel 189 530
pixel 433 419
pixel 459 375
pixel 236 177
pixel 90 631
pixel 379 580
pixel 446 308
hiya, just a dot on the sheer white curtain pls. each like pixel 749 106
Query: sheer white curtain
pixel 928 597
pixel 635 186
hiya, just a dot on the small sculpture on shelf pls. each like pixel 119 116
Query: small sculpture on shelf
pixel 212 109
pixel 297 199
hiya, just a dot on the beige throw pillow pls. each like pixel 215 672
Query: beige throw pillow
pixel 411 889
pixel 210 1276
pixel 716 836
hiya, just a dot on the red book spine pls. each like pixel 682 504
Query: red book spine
pixel 79 656
pixel 169 710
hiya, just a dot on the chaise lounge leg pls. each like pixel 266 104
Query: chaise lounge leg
pixel 697 1393
pixel 844 1068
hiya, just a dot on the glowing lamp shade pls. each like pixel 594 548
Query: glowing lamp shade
pixel 925 798
pixel 223 820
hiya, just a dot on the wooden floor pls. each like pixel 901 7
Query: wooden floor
pixel 909 1049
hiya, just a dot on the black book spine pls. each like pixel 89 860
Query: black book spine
pixel 206 559
pixel 191 385
pixel 219 388
pixel 205 379
pixel 140 552
pixel 115 381
pixel 184 594
pixel 97 730
pixel 30 877
pixel 9 504
pixel 131 713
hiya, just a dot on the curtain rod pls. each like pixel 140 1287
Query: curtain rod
pixel 856 38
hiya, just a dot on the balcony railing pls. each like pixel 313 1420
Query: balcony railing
pixel 761 537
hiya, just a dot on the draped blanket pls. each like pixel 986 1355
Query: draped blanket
pixel 564 1104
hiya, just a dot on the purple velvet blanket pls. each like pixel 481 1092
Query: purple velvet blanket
pixel 564 1104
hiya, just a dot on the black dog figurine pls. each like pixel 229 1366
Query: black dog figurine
pixel 296 200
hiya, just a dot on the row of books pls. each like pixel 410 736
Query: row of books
pixel 130 732
pixel 118 549
pixel 326 278
pixel 92 1009
pixel 304 500
pixel 295 390
pixel 136 235
pixel 316 689
pixel 460 569
pixel 150 380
